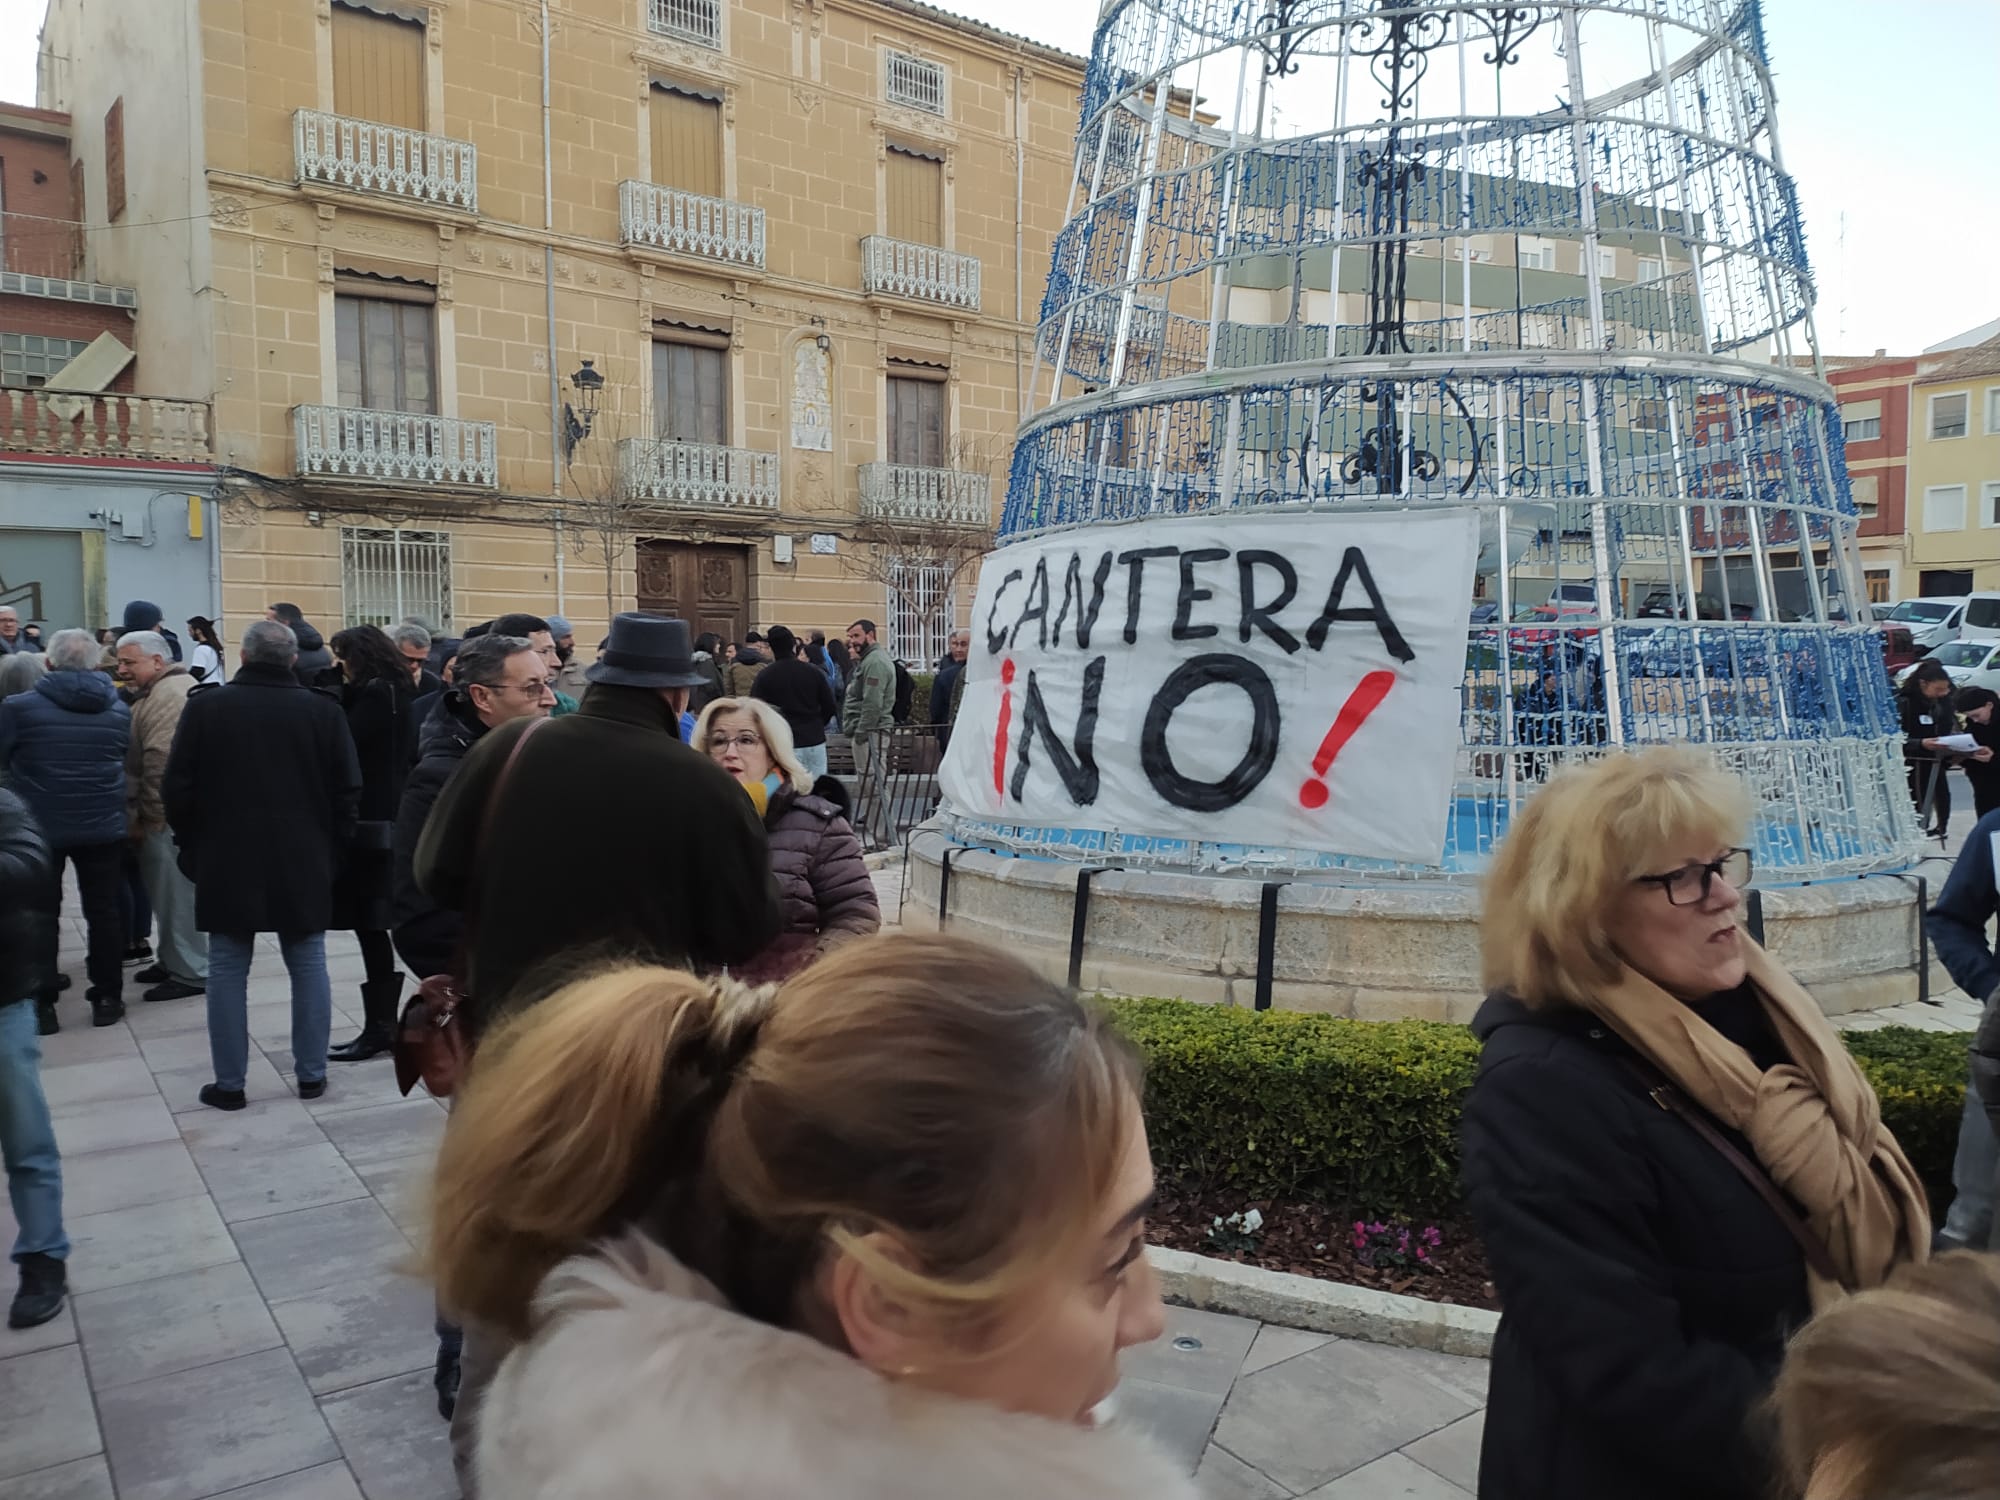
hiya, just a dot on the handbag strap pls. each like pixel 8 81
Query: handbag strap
pixel 1663 1093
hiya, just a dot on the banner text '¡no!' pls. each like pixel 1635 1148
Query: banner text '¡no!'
pixel 1078 610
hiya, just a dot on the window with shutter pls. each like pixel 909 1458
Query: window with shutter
pixel 385 347
pixel 691 390
pixel 687 141
pixel 378 67
pixel 916 421
pixel 915 186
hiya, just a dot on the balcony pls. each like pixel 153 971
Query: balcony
pixel 697 21
pixel 63 425
pixel 922 273
pixel 351 442
pixel 385 160
pixel 945 497
pixel 698 476
pixel 678 223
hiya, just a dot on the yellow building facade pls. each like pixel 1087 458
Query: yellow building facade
pixel 1954 485
pixel 714 306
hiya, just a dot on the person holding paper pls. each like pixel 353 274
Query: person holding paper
pixel 1928 720
pixel 1976 707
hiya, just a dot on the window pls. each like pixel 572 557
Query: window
pixel 687 140
pixel 1536 255
pixel 697 21
pixel 1993 411
pixel 916 419
pixel 1650 413
pixel 378 67
pixel 914 81
pixel 1607 261
pixel 114 160
pixel 691 388
pixel 920 613
pixel 384 344
pixel 1989 503
pixel 915 185
pixel 1880 583
pixel 30 358
pixel 1944 507
pixel 1861 421
pixel 388 575
pixel 1863 487
pixel 1651 268
pixel 1948 415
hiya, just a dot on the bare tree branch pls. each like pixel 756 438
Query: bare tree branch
pixel 920 562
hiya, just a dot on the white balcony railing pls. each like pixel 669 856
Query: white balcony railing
pixel 689 224
pixel 386 159
pixel 698 21
pixel 922 273
pixel 904 492
pixel 352 442
pixel 89 426
pixel 699 476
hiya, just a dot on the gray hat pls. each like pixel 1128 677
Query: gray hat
pixel 559 627
pixel 647 651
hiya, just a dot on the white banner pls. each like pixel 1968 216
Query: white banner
pixel 1261 679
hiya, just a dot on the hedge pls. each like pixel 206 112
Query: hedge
pixel 1365 1113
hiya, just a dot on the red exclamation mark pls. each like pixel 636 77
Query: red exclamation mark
pixel 1362 702
pixel 1006 722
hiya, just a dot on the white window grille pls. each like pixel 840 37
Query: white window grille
pixel 386 576
pixel 698 21
pixel 31 358
pixel 921 613
pixel 914 81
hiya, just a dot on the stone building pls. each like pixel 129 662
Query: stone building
pixel 714 306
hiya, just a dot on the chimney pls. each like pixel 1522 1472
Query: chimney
pixel 1880 352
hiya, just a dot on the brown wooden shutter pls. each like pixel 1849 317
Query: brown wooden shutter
pixel 916 421
pixel 916 197
pixel 114 159
pixel 691 391
pixel 378 68
pixel 687 142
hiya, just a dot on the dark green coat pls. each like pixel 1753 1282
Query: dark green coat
pixel 612 840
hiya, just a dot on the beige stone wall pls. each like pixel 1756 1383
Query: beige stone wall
pixel 806 129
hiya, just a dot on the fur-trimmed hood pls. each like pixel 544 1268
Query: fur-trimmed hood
pixel 641 1384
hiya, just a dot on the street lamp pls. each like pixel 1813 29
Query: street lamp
pixel 580 415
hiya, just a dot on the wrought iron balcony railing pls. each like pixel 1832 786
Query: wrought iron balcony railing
pixel 698 21
pixel 698 476
pixel 352 442
pixel 69 425
pixel 689 224
pixel 923 273
pixel 385 159
pixel 904 492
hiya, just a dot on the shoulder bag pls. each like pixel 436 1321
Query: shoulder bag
pixel 431 1044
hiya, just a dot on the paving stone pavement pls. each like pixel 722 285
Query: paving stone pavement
pixel 245 1322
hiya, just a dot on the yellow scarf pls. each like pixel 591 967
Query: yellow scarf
pixel 1813 1123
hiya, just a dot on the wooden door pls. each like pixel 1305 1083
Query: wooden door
pixel 708 586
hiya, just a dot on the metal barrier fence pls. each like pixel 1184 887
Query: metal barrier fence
pixel 897 788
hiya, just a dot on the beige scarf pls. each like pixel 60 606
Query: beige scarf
pixel 1814 1123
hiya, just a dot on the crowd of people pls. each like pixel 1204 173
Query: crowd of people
pixel 736 1197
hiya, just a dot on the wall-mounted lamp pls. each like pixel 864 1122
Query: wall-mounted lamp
pixel 581 415
pixel 824 343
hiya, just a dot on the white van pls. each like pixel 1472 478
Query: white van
pixel 1932 622
pixel 1982 618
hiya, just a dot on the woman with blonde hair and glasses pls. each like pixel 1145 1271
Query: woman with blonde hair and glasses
pixel 824 887
pixel 1670 1156
pixel 874 1234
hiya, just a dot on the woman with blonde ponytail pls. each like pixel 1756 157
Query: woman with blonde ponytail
pixel 876 1233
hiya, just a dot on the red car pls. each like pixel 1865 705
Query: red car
pixel 1899 648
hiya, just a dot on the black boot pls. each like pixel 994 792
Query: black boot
pixel 44 1284
pixel 105 1010
pixel 45 1018
pixel 379 999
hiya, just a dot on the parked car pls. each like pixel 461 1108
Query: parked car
pixel 1932 622
pixel 1982 618
pixel 1966 663
pixel 1899 649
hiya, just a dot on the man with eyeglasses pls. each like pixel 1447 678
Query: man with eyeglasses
pixel 1957 924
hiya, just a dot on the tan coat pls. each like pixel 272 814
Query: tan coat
pixel 640 1384
pixel 156 714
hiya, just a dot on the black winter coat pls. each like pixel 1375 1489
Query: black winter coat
pixel 62 747
pixel 800 692
pixel 378 716
pixel 824 886
pixel 1647 1289
pixel 427 935
pixel 612 839
pixel 27 917
pixel 1923 719
pixel 261 792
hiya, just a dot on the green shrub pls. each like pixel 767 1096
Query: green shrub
pixel 1365 1113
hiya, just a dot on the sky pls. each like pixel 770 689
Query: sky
pixel 1888 117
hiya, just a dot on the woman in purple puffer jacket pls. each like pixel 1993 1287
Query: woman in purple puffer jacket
pixel 823 885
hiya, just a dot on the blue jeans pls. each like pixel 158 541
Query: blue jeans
pixel 1969 1221
pixel 813 758
pixel 27 1139
pixel 229 995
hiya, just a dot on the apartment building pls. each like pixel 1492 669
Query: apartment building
pixel 1874 396
pixel 1954 471
pixel 719 307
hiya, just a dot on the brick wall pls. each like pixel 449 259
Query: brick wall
pixel 71 320
pixel 40 228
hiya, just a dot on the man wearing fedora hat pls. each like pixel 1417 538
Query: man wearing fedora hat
pixel 643 848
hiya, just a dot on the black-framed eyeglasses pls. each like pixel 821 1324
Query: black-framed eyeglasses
pixel 1690 884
